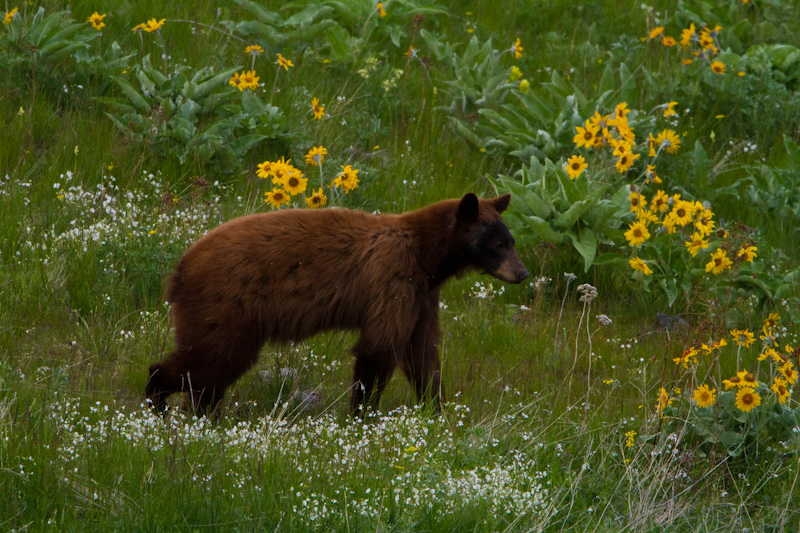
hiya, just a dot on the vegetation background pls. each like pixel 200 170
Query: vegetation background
pixel 120 147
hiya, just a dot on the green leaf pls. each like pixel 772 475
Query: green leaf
pixel 529 199
pixel 586 244
pixel 138 101
pixel 568 218
pixel 544 231
pixel 628 91
pixel 700 164
pixel 338 40
pixel 670 289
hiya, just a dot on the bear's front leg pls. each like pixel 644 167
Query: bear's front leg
pixel 421 364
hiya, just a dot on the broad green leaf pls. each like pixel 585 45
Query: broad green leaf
pixel 138 101
pixel 586 243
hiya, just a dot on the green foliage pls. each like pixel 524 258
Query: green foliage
pixel 551 207
pixel 193 115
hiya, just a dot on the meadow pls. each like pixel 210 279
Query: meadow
pixel 643 379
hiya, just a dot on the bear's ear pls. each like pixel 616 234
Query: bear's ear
pixel 467 208
pixel 501 202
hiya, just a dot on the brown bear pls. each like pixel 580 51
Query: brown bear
pixel 286 275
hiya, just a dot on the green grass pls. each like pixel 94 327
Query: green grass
pixel 540 394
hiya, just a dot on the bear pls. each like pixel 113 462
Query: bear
pixel 285 275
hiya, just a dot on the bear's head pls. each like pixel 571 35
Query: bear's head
pixel 484 239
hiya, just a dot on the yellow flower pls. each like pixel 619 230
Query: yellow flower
pixel 668 140
pixel 669 110
pixel 10 15
pixel 742 337
pixel 711 346
pixel 660 202
pixel 789 373
pixel 381 11
pixel 688 356
pixel 575 166
pixel 277 198
pixel 524 86
pixel 637 233
pixel 779 388
pixel 704 397
pixel 316 155
pixel 517 49
pixel 719 262
pixel 747 399
pixel 97 20
pixel 279 170
pixel 646 216
pixel 630 438
pixel 236 81
pixel 283 62
pixel 668 41
pixel 411 52
pixel 686 36
pixel 294 182
pixel 625 161
pixel 248 80
pixel 732 383
pixel 718 67
pixel 638 201
pixel 254 49
pixel 664 400
pixel 516 74
pixel 682 212
pixel 585 136
pixel 139 27
pixel 655 32
pixel 748 379
pixel 641 266
pixel 347 179
pixel 687 61
pixel 748 252
pixel 696 244
pixel 154 25
pixel 317 199
pixel 704 223
pixel 264 170
pixel 319 111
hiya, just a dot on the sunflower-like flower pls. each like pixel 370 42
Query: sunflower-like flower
pixel 660 202
pixel 277 198
pixel 517 49
pixel 280 169
pixel 669 109
pixel 248 79
pixel 254 49
pixel 747 399
pixel 687 35
pixel 734 382
pixel 779 388
pixel 625 161
pixel 97 20
pixel 668 140
pixel 668 41
pixel 380 10
pixel 315 156
pixel 747 252
pixel 347 179
pixel 718 67
pixel 154 25
pixel 655 32
pixel 696 243
pixel 743 337
pixel 295 182
pixel 682 212
pixel 319 111
pixel 575 166
pixel 688 356
pixel 139 27
pixel 317 199
pixel 789 373
pixel 704 396
pixel 704 221
pixel 664 400
pixel 637 233
pixel 264 170
pixel 640 266
pixel 585 136
pixel 236 81
pixel 283 62
pixel 719 262
pixel 10 15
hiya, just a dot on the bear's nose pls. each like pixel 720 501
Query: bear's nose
pixel 522 275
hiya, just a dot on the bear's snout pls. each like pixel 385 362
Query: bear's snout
pixel 511 271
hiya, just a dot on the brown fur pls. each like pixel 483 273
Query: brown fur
pixel 286 275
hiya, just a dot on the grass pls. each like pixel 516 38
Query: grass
pixel 540 394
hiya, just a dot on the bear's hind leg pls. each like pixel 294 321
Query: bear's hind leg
pixel 421 364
